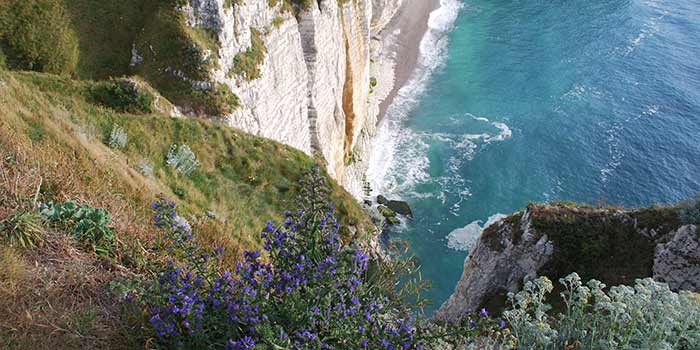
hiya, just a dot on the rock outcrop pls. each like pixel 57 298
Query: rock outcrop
pixel 677 262
pixel 399 207
pixel 508 252
pixel 614 245
pixel 313 90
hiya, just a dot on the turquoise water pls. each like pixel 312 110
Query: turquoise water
pixel 591 101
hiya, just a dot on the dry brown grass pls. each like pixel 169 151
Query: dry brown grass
pixel 59 294
pixel 62 166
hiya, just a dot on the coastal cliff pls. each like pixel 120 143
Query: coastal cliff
pixel 614 245
pixel 306 76
pixel 309 74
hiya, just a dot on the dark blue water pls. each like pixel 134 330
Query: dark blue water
pixel 591 101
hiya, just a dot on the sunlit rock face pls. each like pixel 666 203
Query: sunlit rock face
pixel 313 91
pixel 614 245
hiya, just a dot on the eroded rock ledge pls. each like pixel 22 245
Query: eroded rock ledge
pixel 614 245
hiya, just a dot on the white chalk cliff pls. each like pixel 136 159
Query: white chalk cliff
pixel 314 90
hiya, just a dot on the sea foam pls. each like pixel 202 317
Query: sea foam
pixel 414 163
pixel 465 237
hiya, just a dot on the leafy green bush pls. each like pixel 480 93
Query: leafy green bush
pixel 646 316
pixel 22 228
pixel 38 35
pixel 215 102
pixel 122 95
pixel 89 225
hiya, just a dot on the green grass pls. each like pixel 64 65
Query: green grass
pixel 606 243
pixel 247 64
pixel 244 179
pixel 93 39
pixel 106 32
pixel 38 35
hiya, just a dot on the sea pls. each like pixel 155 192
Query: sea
pixel 594 101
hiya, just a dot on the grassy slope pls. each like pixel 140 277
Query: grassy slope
pixel 243 179
pixel 52 139
pixel 106 32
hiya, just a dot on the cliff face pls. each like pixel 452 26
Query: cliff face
pixel 613 245
pixel 313 87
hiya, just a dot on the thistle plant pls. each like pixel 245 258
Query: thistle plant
pixel 145 167
pixel 118 137
pixel 182 159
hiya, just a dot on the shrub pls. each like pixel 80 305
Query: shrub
pixel 22 228
pixel 646 316
pixel 690 212
pixel 37 35
pixel 182 159
pixel 89 225
pixel 122 95
pixel 118 137
pixel 277 21
pixel 216 102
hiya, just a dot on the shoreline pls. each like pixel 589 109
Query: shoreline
pixel 412 22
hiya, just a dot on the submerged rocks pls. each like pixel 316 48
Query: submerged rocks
pixel 399 207
pixel 389 215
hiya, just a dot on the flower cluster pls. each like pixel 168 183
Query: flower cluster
pixel 165 217
pixel 307 291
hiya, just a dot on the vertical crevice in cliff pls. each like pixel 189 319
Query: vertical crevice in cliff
pixel 348 102
pixel 307 30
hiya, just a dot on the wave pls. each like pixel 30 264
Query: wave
pixel 465 237
pixel 390 135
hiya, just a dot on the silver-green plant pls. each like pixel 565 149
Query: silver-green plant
pixel 118 137
pixel 182 159
pixel 145 167
pixel 528 317
pixel 646 316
